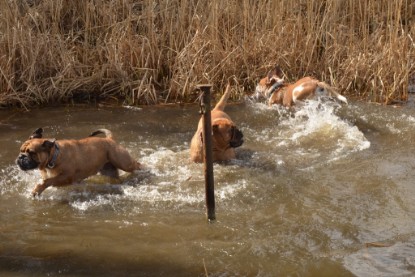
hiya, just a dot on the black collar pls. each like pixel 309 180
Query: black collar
pixel 51 163
pixel 273 88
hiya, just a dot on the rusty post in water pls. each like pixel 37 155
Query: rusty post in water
pixel 207 151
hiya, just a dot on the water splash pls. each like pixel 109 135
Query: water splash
pixel 172 180
pixel 316 127
pixel 311 135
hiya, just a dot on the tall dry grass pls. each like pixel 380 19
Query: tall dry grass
pixel 145 52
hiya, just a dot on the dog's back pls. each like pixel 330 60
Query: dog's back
pixel 273 88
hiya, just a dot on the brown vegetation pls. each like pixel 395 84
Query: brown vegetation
pixel 145 52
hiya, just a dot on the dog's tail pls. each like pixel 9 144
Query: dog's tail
pixel 106 132
pixel 332 92
pixel 222 102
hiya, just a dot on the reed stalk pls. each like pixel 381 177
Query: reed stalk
pixel 148 52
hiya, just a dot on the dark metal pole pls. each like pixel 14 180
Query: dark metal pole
pixel 207 152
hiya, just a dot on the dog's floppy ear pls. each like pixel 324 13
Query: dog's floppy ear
pixel 276 71
pixel 48 144
pixel 215 129
pixel 38 133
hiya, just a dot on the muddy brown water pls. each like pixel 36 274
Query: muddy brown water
pixel 328 191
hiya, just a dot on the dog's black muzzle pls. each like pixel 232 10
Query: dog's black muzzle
pixel 237 138
pixel 25 163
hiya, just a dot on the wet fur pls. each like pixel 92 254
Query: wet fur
pixel 279 92
pixel 225 135
pixel 77 159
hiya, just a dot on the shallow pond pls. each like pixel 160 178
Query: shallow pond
pixel 327 191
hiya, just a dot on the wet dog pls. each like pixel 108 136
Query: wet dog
pixel 277 91
pixel 225 135
pixel 63 162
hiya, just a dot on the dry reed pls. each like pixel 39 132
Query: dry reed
pixel 146 52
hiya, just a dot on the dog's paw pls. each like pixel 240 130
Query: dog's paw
pixel 35 193
pixel 38 190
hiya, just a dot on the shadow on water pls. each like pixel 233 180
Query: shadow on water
pixel 76 264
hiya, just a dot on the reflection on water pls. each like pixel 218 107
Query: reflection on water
pixel 305 194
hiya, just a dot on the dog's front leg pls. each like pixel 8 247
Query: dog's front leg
pixel 38 189
pixel 59 180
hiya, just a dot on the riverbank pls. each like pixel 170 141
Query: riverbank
pixel 141 52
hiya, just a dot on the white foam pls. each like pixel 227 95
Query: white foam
pixel 315 132
pixel 133 108
pixel 91 203
pixel 171 183
pixel 316 125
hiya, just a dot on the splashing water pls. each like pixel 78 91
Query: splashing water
pixel 307 190
pixel 316 127
pixel 311 135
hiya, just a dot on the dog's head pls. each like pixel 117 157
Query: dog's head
pixel 35 152
pixel 275 75
pixel 269 83
pixel 226 135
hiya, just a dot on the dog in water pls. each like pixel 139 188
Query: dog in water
pixel 225 135
pixel 63 162
pixel 277 91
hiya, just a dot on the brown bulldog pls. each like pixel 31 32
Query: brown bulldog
pixel 63 162
pixel 277 91
pixel 225 135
